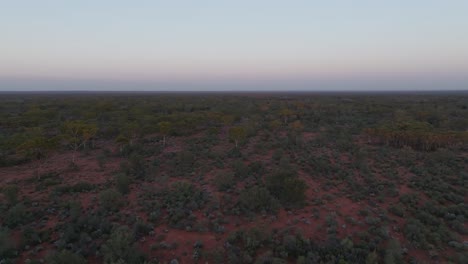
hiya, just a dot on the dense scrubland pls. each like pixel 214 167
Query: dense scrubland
pixel 233 178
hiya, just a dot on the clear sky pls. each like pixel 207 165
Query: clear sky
pixel 241 44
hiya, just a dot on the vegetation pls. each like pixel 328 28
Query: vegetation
pixel 233 178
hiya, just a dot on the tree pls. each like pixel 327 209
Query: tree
pixel 37 147
pixel 285 113
pixel 131 131
pixel 122 141
pixel 228 119
pixel 296 128
pixel 120 247
pixel 164 128
pixel 372 258
pixel 237 134
pixel 274 125
pixel 77 133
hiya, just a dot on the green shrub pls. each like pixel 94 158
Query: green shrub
pixel 141 229
pixel 121 247
pixel 180 200
pixel 397 210
pixel 250 240
pixel 11 193
pixel 122 182
pixel 6 244
pixel 224 181
pixel 184 163
pixel 135 167
pixel 110 200
pixel 75 188
pixel 257 199
pixel 241 170
pixel 287 188
pixel 65 257
pixel 256 168
pixel 16 215
pixel 32 237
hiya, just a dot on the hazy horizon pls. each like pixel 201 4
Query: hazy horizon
pixel 236 46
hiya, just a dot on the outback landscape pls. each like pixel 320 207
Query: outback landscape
pixel 233 178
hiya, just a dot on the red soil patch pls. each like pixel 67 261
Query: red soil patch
pixel 308 136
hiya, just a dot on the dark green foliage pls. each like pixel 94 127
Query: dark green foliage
pixel 122 182
pixel 32 237
pixel 74 209
pixel 180 200
pixel 415 232
pixel 11 193
pixel 393 253
pixel 241 170
pixel 256 168
pixel 257 199
pixel 135 167
pixel 75 188
pixel 65 257
pixel 141 229
pixel 296 245
pixel 6 244
pixel 45 180
pixel 110 200
pixel 250 240
pixel 397 210
pixel 184 163
pixel 287 188
pixel 224 181
pixel 16 215
pixel 120 247
pixel 184 194
pixel 416 190
pixel 84 232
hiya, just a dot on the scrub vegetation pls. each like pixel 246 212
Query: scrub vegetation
pixel 233 178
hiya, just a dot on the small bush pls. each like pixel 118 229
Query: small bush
pixel 65 257
pixel 256 199
pixel 224 181
pixel 397 210
pixel 241 170
pixel 16 215
pixel 120 247
pixel 287 188
pixel 110 200
pixel 75 188
pixel 122 182
pixel 11 193
pixel 6 244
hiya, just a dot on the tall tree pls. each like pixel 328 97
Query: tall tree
pixel 164 128
pixel 237 134
pixel 37 147
pixel 285 113
pixel 297 127
pixel 77 133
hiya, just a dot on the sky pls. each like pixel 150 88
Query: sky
pixel 234 45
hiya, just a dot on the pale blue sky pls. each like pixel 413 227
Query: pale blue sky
pixel 190 45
